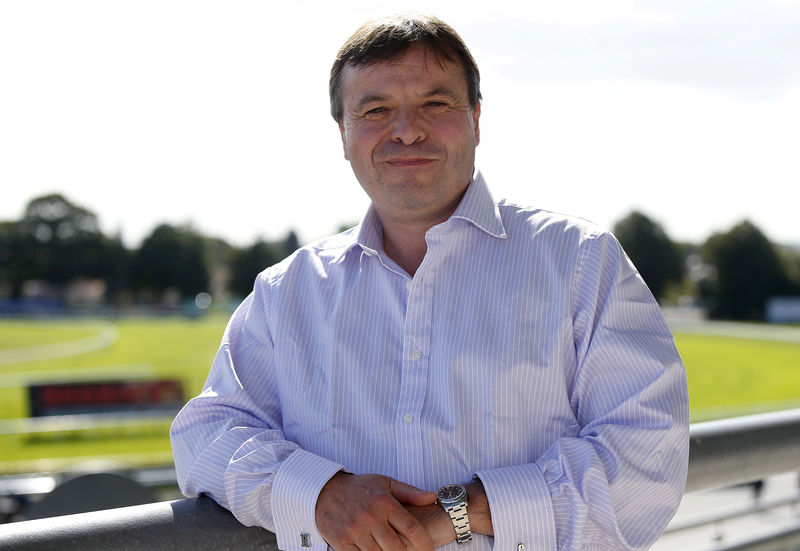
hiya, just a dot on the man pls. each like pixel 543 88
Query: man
pixel 447 339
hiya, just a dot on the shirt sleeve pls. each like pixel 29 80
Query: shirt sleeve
pixel 228 442
pixel 617 483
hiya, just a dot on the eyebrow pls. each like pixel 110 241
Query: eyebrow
pixel 369 99
pixel 440 92
pixel 374 98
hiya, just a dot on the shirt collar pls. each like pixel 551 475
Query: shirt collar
pixel 477 207
pixel 370 232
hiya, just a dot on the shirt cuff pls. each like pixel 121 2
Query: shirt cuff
pixel 519 502
pixel 295 490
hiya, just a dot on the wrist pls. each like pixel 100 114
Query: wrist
pixel 480 517
pixel 453 499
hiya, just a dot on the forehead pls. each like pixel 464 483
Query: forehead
pixel 416 69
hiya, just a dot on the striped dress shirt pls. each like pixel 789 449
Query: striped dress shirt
pixel 526 350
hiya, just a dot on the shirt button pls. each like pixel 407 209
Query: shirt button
pixel 408 418
pixel 409 285
pixel 415 354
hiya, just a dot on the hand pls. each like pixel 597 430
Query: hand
pixel 436 522
pixel 367 513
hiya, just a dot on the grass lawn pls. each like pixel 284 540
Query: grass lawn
pixel 734 376
pixel 19 334
pixel 147 348
pixel 727 377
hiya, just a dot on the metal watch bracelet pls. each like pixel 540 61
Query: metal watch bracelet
pixel 458 515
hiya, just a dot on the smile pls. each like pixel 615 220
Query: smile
pixel 408 162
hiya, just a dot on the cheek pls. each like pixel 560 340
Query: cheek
pixel 360 143
pixel 458 131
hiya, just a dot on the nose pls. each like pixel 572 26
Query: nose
pixel 407 127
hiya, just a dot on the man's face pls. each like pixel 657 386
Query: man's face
pixel 410 135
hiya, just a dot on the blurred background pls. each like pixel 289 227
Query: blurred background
pixel 156 155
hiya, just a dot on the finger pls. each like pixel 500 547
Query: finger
pixel 388 539
pixel 369 544
pixel 405 493
pixel 411 530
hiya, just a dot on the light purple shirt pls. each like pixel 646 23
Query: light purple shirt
pixel 526 349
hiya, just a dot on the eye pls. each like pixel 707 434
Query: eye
pixel 375 112
pixel 436 106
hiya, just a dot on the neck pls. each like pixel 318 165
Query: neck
pixel 405 244
pixel 404 237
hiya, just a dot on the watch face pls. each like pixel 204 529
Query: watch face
pixel 451 492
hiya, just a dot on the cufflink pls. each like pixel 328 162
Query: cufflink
pixel 305 540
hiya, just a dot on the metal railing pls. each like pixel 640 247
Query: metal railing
pixel 722 453
pixel 743 449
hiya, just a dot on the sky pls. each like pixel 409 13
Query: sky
pixel 216 113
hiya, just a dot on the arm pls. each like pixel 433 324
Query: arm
pixel 616 481
pixel 228 443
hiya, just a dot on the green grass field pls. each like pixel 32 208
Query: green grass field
pixel 18 334
pixel 172 347
pixel 733 376
pixel 727 377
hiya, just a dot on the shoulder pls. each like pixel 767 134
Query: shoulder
pixel 525 223
pixel 316 258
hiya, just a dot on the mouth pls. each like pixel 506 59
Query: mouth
pixel 410 162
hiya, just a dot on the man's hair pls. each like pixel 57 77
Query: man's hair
pixel 389 38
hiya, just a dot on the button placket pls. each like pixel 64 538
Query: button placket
pixel 414 378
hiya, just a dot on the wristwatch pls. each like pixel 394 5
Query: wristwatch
pixel 453 498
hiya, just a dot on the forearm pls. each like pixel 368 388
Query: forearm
pixel 215 451
pixel 254 472
pixel 585 489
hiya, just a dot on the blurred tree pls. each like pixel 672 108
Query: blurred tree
pixel 247 263
pixel 116 270
pixel 657 258
pixel 171 258
pixel 218 252
pixel 55 241
pixel 790 257
pixel 747 270
pixel 290 243
pixel 14 264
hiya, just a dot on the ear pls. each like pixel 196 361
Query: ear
pixel 344 141
pixel 476 114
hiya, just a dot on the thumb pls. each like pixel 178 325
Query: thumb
pixel 410 495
